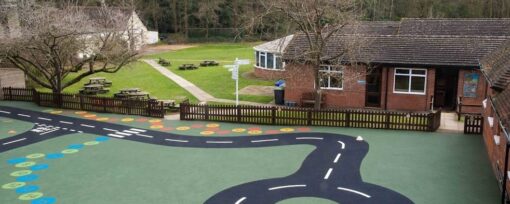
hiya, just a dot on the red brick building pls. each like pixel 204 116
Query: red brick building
pixel 412 65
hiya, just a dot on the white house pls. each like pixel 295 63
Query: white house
pixel 268 58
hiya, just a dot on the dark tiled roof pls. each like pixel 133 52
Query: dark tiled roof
pixel 404 50
pixel 496 66
pixel 459 27
pixel 372 28
pixel 502 106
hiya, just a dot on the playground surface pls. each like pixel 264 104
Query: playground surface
pixel 228 162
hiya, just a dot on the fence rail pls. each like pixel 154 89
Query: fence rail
pixel 377 119
pixel 473 124
pixel 88 103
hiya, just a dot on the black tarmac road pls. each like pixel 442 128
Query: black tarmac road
pixel 331 171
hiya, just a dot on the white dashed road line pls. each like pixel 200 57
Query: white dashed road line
pixel 14 141
pixel 125 134
pixel 112 130
pixel 337 158
pixel 289 186
pixel 89 126
pixel 240 200
pixel 326 177
pixel 23 115
pixel 342 143
pixel 258 141
pixel 142 135
pixel 6 112
pixel 65 122
pixel 114 135
pixel 181 141
pixel 50 131
pixel 354 191
pixel 309 138
pixel 138 130
pixel 132 132
pixel 47 119
pixel 219 142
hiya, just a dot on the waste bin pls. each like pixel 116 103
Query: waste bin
pixel 279 96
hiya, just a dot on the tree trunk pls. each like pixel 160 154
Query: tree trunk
pixel 174 15
pixel 186 23
pixel 318 90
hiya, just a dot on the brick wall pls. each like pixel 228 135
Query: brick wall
pixel 268 74
pixel 412 102
pixel 10 77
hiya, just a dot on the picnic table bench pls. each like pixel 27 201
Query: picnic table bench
pixel 131 93
pixel 94 89
pixel 164 62
pixel 207 63
pixel 99 80
pixel 187 67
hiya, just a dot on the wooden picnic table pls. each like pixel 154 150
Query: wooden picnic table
pixel 99 80
pixel 187 67
pixel 93 89
pixel 207 63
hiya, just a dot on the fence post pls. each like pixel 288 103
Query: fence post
pixel 348 118
pixel 81 102
pixel 431 122
pixel 273 115
pixel 309 117
pixel 388 119
pixel 206 109
pixel 149 108
pixel 35 97
pixel 162 109
pixel 104 104
pixel 238 113
pixel 10 93
pixel 181 110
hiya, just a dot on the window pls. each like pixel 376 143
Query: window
pixel 331 77
pixel 269 60
pixel 410 81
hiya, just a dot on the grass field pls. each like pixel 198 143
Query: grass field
pixel 216 80
pixel 140 75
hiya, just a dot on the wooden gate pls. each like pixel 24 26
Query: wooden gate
pixel 473 124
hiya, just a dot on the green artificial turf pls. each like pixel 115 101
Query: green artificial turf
pixel 10 127
pixel 216 81
pixel 306 200
pixel 139 75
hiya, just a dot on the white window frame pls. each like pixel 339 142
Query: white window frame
pixel 329 78
pixel 410 75
pixel 262 53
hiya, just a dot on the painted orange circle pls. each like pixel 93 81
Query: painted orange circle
pixel 213 125
pixel 207 133
pixel 127 119
pixel 56 112
pixel 182 128
pixel 80 112
pixel 102 119
pixel 287 129
pixel 254 132
pixel 89 116
pixel 157 126
pixel 155 121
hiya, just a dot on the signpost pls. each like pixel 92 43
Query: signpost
pixel 235 73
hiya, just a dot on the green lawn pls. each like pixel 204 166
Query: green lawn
pixel 216 80
pixel 140 75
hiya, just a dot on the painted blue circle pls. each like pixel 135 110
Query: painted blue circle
pixel 75 146
pixel 26 189
pixel 54 156
pixel 17 160
pixel 102 139
pixel 39 167
pixel 27 178
pixel 44 200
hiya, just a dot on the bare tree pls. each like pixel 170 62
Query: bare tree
pixel 55 42
pixel 207 13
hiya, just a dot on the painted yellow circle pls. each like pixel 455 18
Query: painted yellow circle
pixel 90 143
pixel 80 112
pixel 102 119
pixel 56 112
pixel 25 164
pixel 212 125
pixel 254 132
pixel 127 119
pixel 155 121
pixel 156 126
pixel 89 116
pixel 13 185
pixel 35 156
pixel 21 173
pixel 239 130
pixel 287 129
pixel 183 128
pixel 12 132
pixel 69 151
pixel 207 132
pixel 30 196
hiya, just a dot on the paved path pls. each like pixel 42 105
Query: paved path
pixel 200 94
pixel 331 171
pixel 449 123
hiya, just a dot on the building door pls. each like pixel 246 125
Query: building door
pixel 445 93
pixel 373 89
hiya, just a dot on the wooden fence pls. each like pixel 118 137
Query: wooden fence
pixel 378 119
pixel 473 124
pixel 88 103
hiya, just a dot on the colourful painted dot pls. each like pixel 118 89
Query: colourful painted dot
pixel 91 143
pixel 197 126
pixel 287 129
pixel 16 160
pixel 213 125
pixel 25 164
pixel 35 156
pixel 141 120
pixel 167 129
pixel 54 156
pixel 13 185
pixel 75 146
pixel 27 189
pixel 127 120
pixel 304 129
pixel 207 133
pixel 157 126
pixel 238 130
pixel 182 128
pixel 254 128
pixel 70 151
pixel 155 121
pixel 21 173
pixel 39 167
pixel 223 132
pixel 44 200
pixel 102 139
pixel 12 132
pixel 80 112
pixel 102 119
pixel 56 112
pixel 31 196
pixel 272 132
pixel 254 132
pixel 89 116
pixel 27 178
pixel 216 129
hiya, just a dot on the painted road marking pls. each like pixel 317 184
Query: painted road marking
pixel 309 138
pixel 47 119
pixel 271 140
pixel 80 131
pixel 139 130
pixel 65 122
pixel 326 177
pixel 114 135
pixel 182 141
pixel 132 132
pixel 53 130
pixel 6 112
pixel 142 135
pixel 337 158
pixel 89 126
pixel 240 200
pixel 219 142
pixel 342 143
pixel 125 134
pixel 72 130
pixel 110 129
pixel 19 140
pixel 354 191
pixel 64 128
pixel 23 115
pixel 289 186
